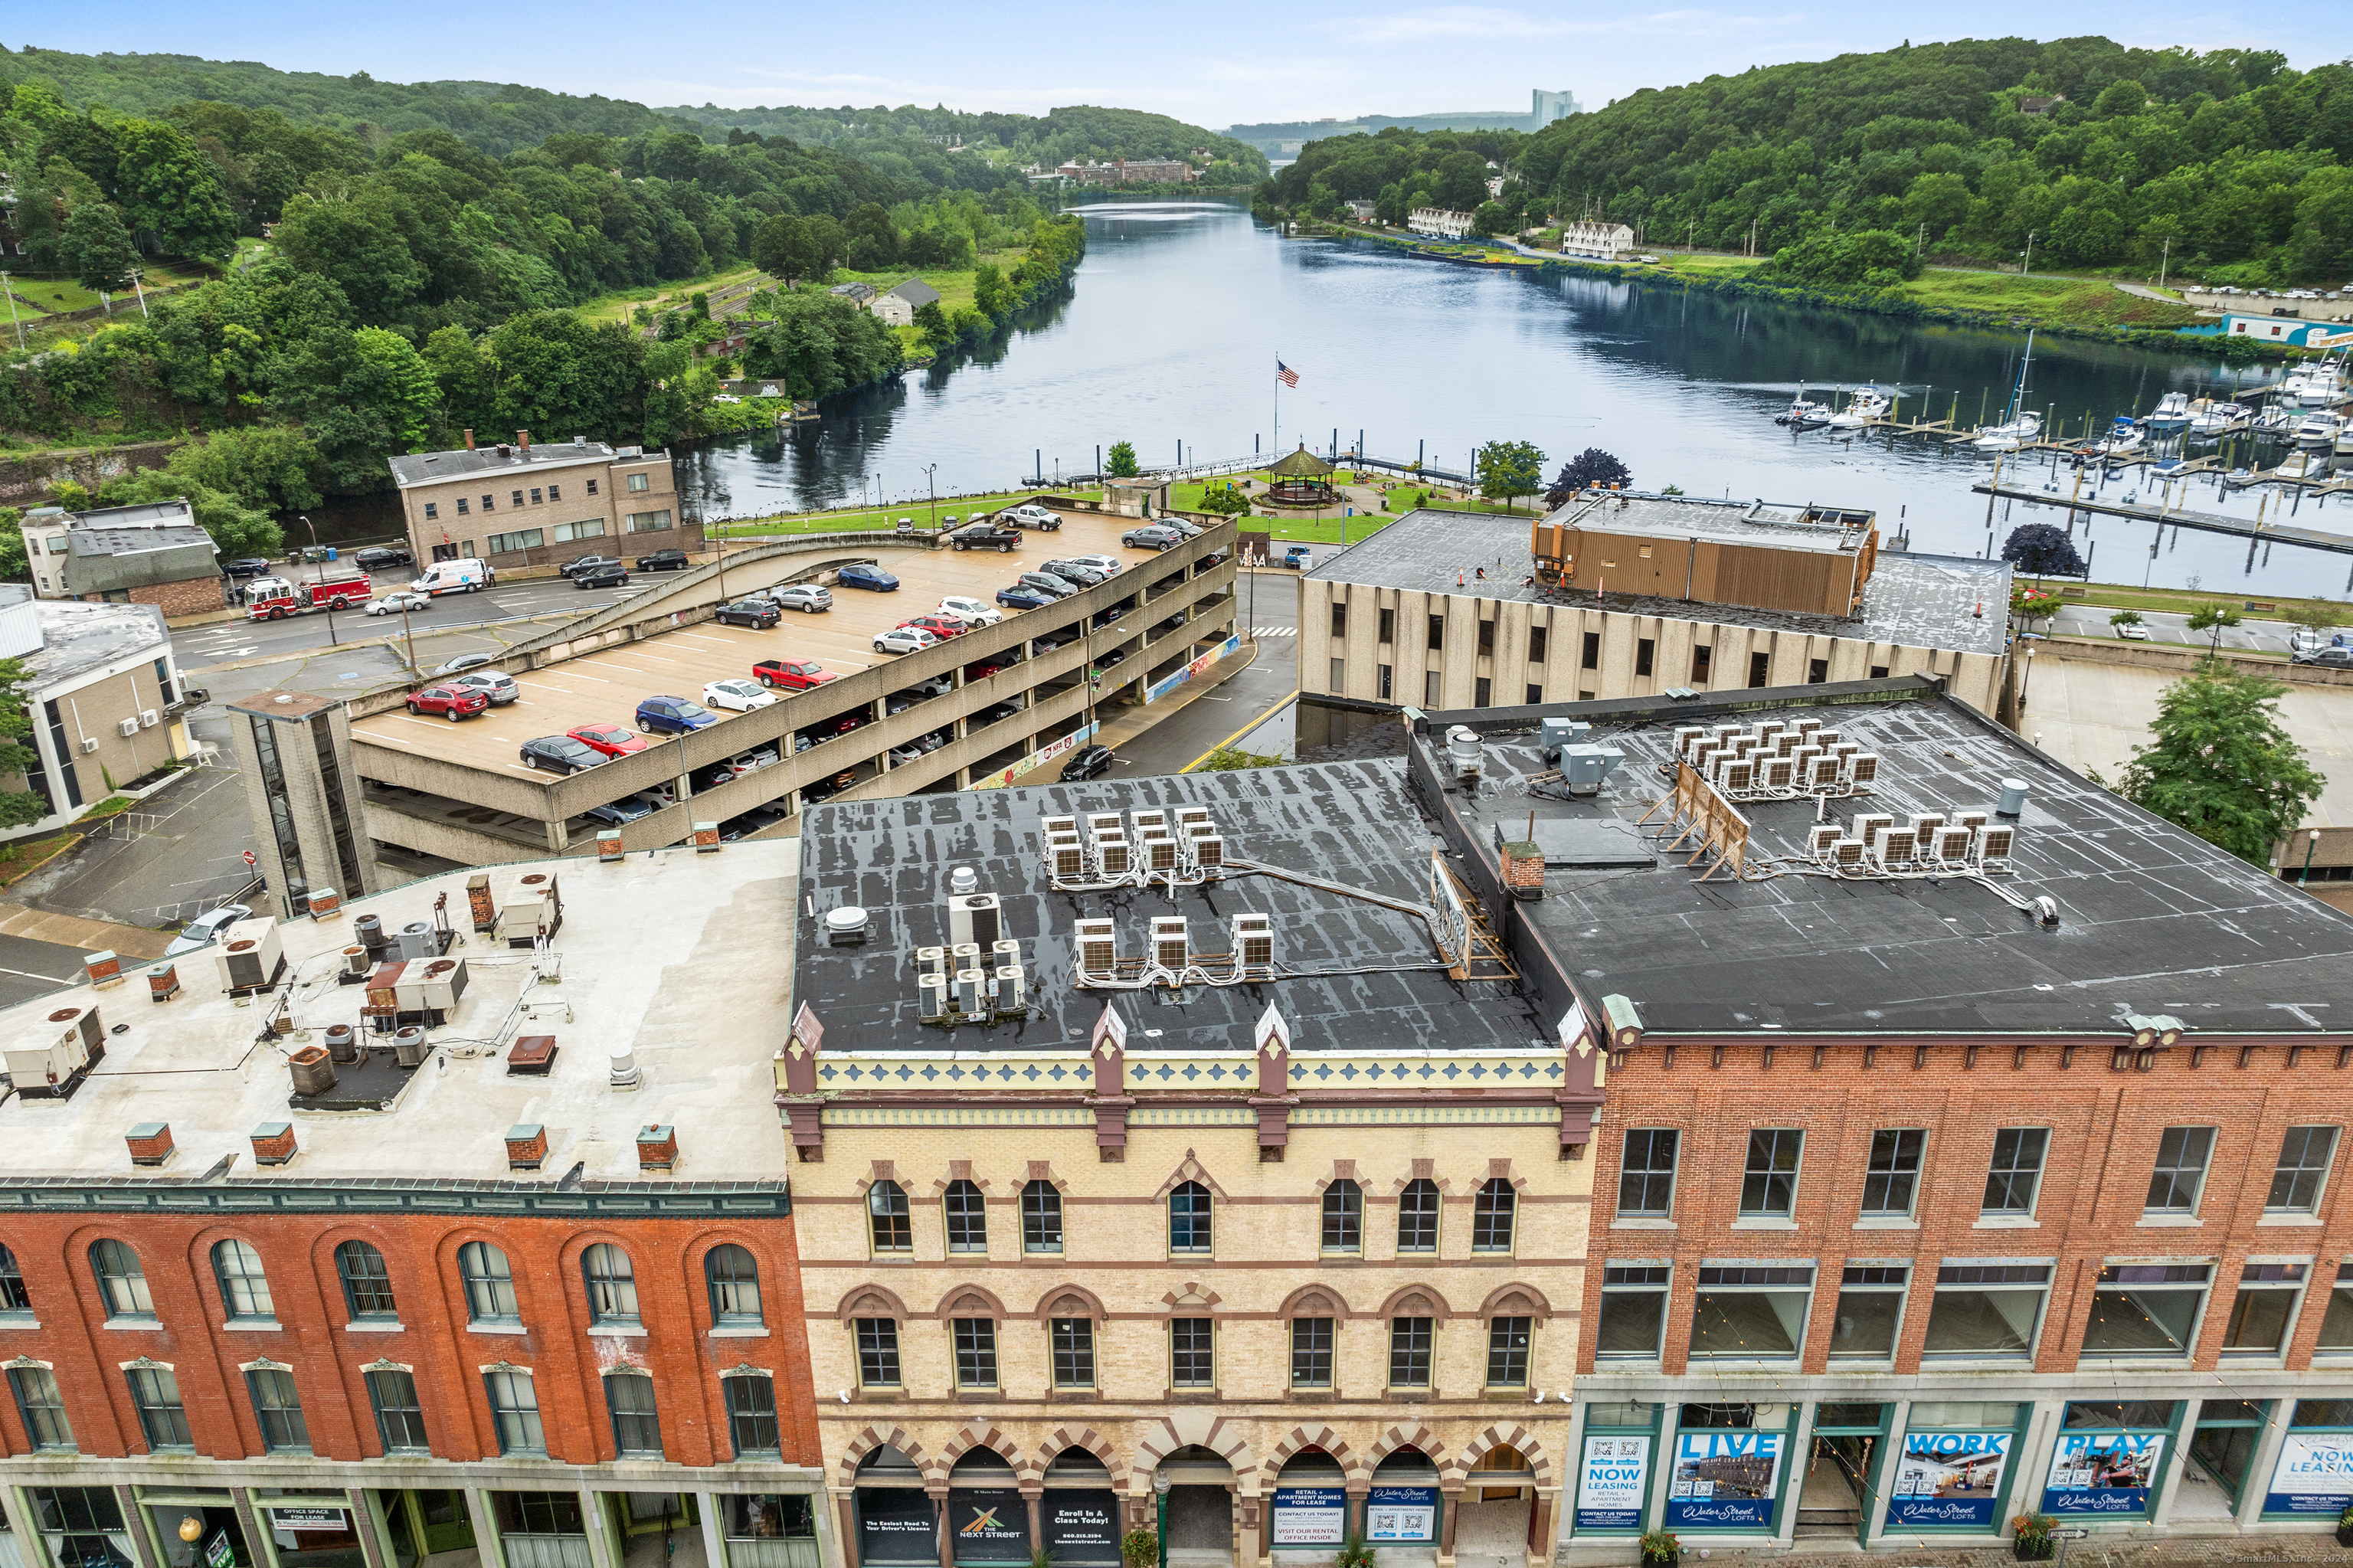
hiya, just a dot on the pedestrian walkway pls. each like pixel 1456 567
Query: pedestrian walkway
pixel 73 931
pixel 2173 1551
pixel 1274 631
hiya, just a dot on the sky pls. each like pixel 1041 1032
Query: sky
pixel 1212 63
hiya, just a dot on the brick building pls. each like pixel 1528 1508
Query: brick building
pixel 271 1297
pixel 521 505
pixel 154 553
pixel 1970 1139
pixel 1279 1197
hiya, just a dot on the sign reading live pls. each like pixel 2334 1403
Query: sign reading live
pixel 2103 1472
pixel 1611 1485
pixel 1949 1479
pixel 896 1525
pixel 1081 1528
pixel 989 1524
pixel 2314 1476
pixel 1310 1516
pixel 1724 1480
pixel 1402 1513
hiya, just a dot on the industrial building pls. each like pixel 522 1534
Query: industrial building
pixel 152 553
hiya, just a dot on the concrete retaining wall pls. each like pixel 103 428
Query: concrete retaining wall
pixel 25 477
pixel 2100 651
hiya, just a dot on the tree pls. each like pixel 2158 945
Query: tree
pixel 937 330
pixel 97 250
pixel 1507 469
pixel 988 289
pixel 2125 618
pixel 1589 470
pixel 2030 604
pixel 1224 501
pixel 237 528
pixel 1492 218
pixel 1119 461
pixel 414 396
pixel 17 807
pixel 169 190
pixel 13 566
pixel 269 467
pixel 2315 616
pixel 2043 549
pixel 2222 764
pixel 2212 618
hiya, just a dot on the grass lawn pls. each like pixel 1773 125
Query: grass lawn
pixel 57 294
pixel 2121 596
pixel 1709 266
pixel 849 518
pixel 618 305
pixel 2078 301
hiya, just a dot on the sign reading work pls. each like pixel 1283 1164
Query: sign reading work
pixel 1949 1479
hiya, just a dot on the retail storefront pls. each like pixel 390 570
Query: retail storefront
pixel 1956 1466
pixel 1728 1466
pixel 2312 1479
pixel 1310 1504
pixel 1617 1446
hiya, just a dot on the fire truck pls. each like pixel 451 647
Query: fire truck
pixel 275 599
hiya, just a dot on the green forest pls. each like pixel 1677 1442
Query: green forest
pixel 2225 165
pixel 895 139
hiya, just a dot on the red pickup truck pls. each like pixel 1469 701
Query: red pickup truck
pixel 274 598
pixel 792 675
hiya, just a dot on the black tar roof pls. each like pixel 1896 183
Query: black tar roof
pixel 432 468
pixel 2152 919
pixel 1345 822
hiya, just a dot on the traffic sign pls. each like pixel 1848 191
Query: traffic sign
pixel 2068 1534
pixel 251 859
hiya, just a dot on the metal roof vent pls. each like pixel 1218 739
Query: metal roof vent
pixel 845 926
pixel 1463 747
pixel 964 879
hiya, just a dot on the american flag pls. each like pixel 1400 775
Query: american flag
pixel 1284 374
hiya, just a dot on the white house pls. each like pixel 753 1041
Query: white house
pixel 898 306
pixel 1437 220
pixel 1599 241
pixel 1361 211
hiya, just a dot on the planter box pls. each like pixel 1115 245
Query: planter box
pixel 2042 1550
pixel 2345 1535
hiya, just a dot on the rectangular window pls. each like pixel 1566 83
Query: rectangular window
pixel 1751 1313
pixel 1486 639
pixel 1041 1218
pixel 1482 693
pixel 752 1425
pixel 399 1417
pixel 1633 1312
pixel 1535 696
pixel 1192 1360
pixel 525 1513
pixel 1894 1175
pixel 588 529
pixel 1437 632
pixel 1074 1352
pixel 1817 672
pixel 1409 1352
pixel 1417 1217
pixel 1700 657
pixel 1879 671
pixel 966 1215
pixel 878 1352
pixel 279 1410
pixel 1311 1352
pixel 1646 650
pixel 432 510
pixel 637 1428
pixel 2145 1310
pixel 79 1524
pixel 1870 1309
pixel 490 503
pixel 1389 626
pixel 1590 657
pixel 638 481
pixel 1987 1311
pixel 464 508
pixel 1757 669
pixel 156 1394
pixel 2336 1323
pixel 2181 1172
pixel 555 493
pixel 1429 685
pixel 976 1353
pixel 520 539
pixel 1646 1176
pixel 2304 1155
pixel 649 522
pixel 1507 1351
pixel 1768 1184
pixel 1536 644
pixel 43 1408
pixel 2016 1172
pixel 1339 620
pixel 1339 677
pixel 534 495
pixel 592 487
pixel 514 1409
pixel 2263 1309
pixel 1382 675
pixel 518 498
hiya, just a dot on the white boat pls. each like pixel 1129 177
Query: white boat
pixel 2319 386
pixel 2172 413
pixel 1803 413
pixel 2210 418
pixel 2318 429
pixel 2300 465
pixel 2011 434
pixel 2124 438
pixel 2344 441
pixel 1863 408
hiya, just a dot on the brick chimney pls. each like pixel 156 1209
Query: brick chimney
pixel 526 1146
pixel 104 969
pixel 274 1143
pixel 469 440
pixel 522 439
pixel 151 1142
pixel 658 1147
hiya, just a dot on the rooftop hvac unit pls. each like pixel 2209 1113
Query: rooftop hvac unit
pixel 1802 755
pixel 1148 820
pixel 1686 738
pixel 1704 759
pixel 1254 947
pixel 1808 725
pixel 417 940
pixel 1823 842
pixel 1004 951
pixel 1823 772
pixel 1055 827
pixel 1994 844
pixel 1169 950
pixel 1739 774
pixel 1952 844
pixel 1925 823
pixel 963 956
pixel 1742 745
pixel 443 982
pixel 1209 851
pixel 1825 737
pixel 1189 815
pixel 1066 861
pixel 53 1051
pixel 408 1046
pixel 1098 943
pixel 1895 846
pixel 931 997
pixel 973 917
pixel 1969 818
pixel 1768 728
pixel 1464 750
pixel 522 920
pixel 931 961
pixel 1012 988
pixel 1778 772
pixel 1552 734
pixel 1842 748
pixel 845 926
pixel 1113 852
pixel 1863 770
pixel 1102 822
pixel 1866 828
pixel 1847 854
pixel 972 992
pixel 1725 732
pixel 1786 743
pixel 1160 852
pixel 249 956
pixel 88 743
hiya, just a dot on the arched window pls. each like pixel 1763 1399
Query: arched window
pixel 12 1296
pixel 734 1277
pixel 1418 1216
pixel 1344 1217
pixel 1491 1217
pixel 489 1284
pixel 886 1217
pixel 368 1284
pixel 243 1288
pixel 1188 1218
pixel 1041 1218
pixel 967 1218
pixel 612 1286
pixel 120 1280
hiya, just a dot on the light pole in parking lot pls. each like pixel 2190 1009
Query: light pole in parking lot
pixel 406 635
pixel 319 564
pixel 934 484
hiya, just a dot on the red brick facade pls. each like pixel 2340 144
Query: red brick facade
pixel 434 1340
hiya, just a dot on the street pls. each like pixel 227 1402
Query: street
pixel 233 639
pixel 1209 718
pixel 2171 626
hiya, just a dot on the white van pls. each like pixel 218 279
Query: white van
pixel 454 577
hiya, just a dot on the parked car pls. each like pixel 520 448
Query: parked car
pixel 1021 595
pixel 970 611
pixel 664 561
pixel 1152 537
pixel 628 809
pixel 495 684
pixel 377 558
pixel 560 754
pixel 712 777
pixel 904 640
pixel 1046 583
pixel 940 626
pixel 1115 656
pixel 578 564
pixel 1029 516
pixel 1190 529
pixel 2133 631
pixel 937 686
pixel 755 613
pixel 609 738
pixel 451 702
pixel 754 761
pixel 612 574
pixel 205 929
pixel 1046 644
pixel 1086 763
pixel 2326 658
pixel 983 536
pixel 809 597
pixel 672 715
pixel 246 566
pixel 398 600
pixel 1077 572
pixel 997 710
pixel 792 675
pixel 1108 566
pixel 911 752
pixel 738 695
pixel 860 574
pixel 463 661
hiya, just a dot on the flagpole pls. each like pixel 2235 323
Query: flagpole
pixel 1277 443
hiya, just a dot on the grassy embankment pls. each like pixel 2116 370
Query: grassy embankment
pixel 2050 299
pixel 955 291
pixel 848 519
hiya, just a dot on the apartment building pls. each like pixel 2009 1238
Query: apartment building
pixel 517 505
pixel 1439 222
pixel 108 705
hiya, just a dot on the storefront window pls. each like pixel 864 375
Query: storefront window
pixel 2313 1478
pixel 897 1522
pixel 1985 1311
pixel 2337 1325
pixel 1633 1312
pixel 2262 1309
pixel 1870 1309
pixel 2107 1457
pixel 2145 1310
pixel 1080 1512
pixel 82 1527
pixel 1751 1313
pixel 314 1536
pixel 1613 1477
pixel 1727 1472
pixel 1954 1467
pixel 768 1530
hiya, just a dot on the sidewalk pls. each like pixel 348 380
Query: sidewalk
pixel 90 936
pixel 2186 1550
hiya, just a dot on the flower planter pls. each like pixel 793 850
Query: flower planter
pixel 1670 1561
pixel 2035 1549
pixel 2344 1533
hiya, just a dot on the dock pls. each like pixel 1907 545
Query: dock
pixel 2268 533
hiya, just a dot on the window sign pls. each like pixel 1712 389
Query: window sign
pixel 309 1519
pixel 988 1525
pixel 1612 1483
pixel 1402 1513
pixel 896 1524
pixel 218 1552
pixel 2313 1477
pixel 1724 1480
pixel 2103 1472
pixel 1310 1516
pixel 1949 1479
pixel 1082 1527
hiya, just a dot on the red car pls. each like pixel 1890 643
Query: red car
pixel 940 626
pixel 452 703
pixel 609 738
pixel 792 675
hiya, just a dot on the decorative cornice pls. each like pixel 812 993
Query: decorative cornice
pixel 378 1196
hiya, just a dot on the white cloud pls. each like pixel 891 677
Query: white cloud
pixel 1494 24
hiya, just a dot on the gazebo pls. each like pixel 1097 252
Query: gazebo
pixel 1302 479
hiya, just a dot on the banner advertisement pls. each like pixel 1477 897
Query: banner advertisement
pixel 1159 689
pixel 989 1524
pixel 1082 1527
pixel 1036 759
pixel 1949 1479
pixel 2103 1472
pixel 1310 1516
pixel 2314 1476
pixel 1724 1480
pixel 1402 1513
pixel 1611 1485
pixel 896 1525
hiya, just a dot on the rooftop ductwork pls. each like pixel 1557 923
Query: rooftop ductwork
pixel 845 926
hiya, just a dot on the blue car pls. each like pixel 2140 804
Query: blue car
pixel 1023 597
pixel 859 576
pixel 672 715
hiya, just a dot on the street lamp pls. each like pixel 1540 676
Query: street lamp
pixel 1161 1482
pixel 2311 843
pixel 318 564
pixel 930 469
pixel 2029 681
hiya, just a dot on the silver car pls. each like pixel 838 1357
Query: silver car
pixel 809 597
pixel 205 930
pixel 495 684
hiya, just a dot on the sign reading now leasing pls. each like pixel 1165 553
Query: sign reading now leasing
pixel 1612 1483
pixel 2314 1476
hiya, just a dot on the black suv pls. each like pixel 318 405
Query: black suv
pixel 381 556
pixel 572 568
pixel 612 574
pixel 663 561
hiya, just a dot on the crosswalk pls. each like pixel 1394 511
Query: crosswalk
pixel 1274 631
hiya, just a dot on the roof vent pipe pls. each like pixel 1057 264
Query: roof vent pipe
pixel 964 879
pixel 2013 798
pixel 1463 747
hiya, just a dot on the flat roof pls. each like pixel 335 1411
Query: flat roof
pixel 1914 600
pixel 2151 919
pixel 1357 975
pixel 681 958
pixel 283 703
pixel 113 542
pixel 432 468
pixel 77 637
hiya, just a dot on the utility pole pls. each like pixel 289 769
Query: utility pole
pixel 19 325
pixel 1920 240
pixel 2026 267
pixel 2164 262
pixel 141 293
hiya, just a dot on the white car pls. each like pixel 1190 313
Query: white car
pixel 403 599
pixel 204 929
pixel 971 611
pixel 742 696
pixel 2133 631
pixel 904 640
pixel 1107 565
